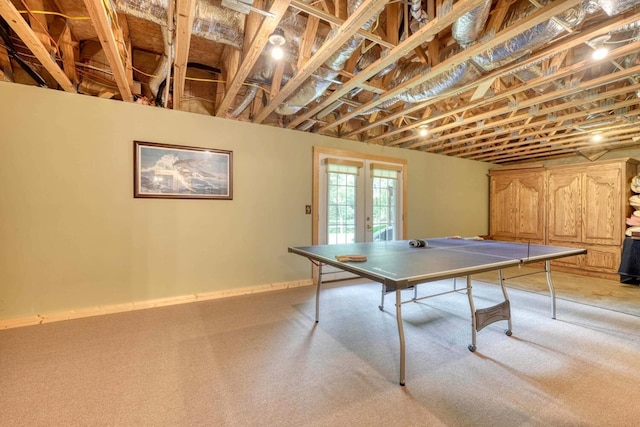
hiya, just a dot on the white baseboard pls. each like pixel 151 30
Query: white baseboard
pixel 38 319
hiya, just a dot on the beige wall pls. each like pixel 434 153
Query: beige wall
pixel 72 236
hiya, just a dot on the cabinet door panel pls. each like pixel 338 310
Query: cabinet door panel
pixel 503 218
pixel 530 207
pixel 602 258
pixel 573 261
pixel 602 201
pixel 564 207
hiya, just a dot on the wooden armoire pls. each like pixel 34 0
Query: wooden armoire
pixel 579 205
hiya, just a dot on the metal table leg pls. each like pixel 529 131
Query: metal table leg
pixel 506 298
pixel 472 346
pixel 400 334
pixel 318 283
pixel 552 292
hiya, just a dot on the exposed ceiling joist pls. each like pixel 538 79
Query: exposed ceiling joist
pixel 503 81
pixel 427 31
pixel 30 38
pixel 111 39
pixel 552 51
pixel 530 21
pixel 256 47
pixel 184 23
pixel 367 9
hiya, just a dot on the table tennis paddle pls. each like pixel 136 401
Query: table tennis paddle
pixel 351 258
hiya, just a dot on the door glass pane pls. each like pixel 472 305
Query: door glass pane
pixel 341 208
pixel 384 208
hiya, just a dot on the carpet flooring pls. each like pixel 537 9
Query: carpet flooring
pixel 261 360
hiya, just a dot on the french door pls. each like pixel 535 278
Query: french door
pixel 359 199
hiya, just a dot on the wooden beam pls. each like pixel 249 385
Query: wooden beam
pixel 251 25
pixel 185 10
pixel 539 100
pixel 529 137
pixel 257 103
pixel 26 34
pixel 39 23
pixel 231 59
pixel 367 9
pixel 6 70
pixel 335 21
pixel 128 66
pixel 498 13
pixel 498 85
pixel 276 82
pixel 432 28
pixel 307 40
pixel 341 9
pixel 393 22
pixel 569 116
pixel 572 144
pixel 70 53
pixel 421 54
pixel 110 36
pixel 530 21
pixel 278 9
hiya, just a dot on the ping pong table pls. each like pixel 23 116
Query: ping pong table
pixel 397 265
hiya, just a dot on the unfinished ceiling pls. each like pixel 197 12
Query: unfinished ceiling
pixel 501 81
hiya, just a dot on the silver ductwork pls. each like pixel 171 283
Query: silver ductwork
pixel 496 57
pixel 226 28
pixel 214 22
pixel 457 76
pixel 211 20
pixel 468 27
pixel 316 85
pixel 616 7
pixel 248 98
pixel 530 39
pixel 148 10
pixel 162 71
pixel 460 75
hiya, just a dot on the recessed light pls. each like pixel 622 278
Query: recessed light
pixel 598 44
pixel 277 52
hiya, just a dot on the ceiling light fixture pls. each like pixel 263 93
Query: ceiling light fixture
pixel 423 130
pixel 600 51
pixel 596 137
pixel 277 40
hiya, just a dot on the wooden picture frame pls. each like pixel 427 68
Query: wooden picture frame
pixel 163 171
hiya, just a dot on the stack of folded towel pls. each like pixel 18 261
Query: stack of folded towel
pixel 633 222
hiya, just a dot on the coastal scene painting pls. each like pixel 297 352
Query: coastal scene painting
pixel 180 172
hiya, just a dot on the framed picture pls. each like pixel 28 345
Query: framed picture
pixel 179 172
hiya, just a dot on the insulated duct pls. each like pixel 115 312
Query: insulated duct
pixel 616 7
pixel 211 20
pixel 214 22
pixel 162 70
pixel 468 27
pixel 316 85
pixel 496 57
pixel 530 39
pixel 246 101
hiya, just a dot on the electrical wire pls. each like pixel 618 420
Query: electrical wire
pixel 44 29
pixel 45 12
